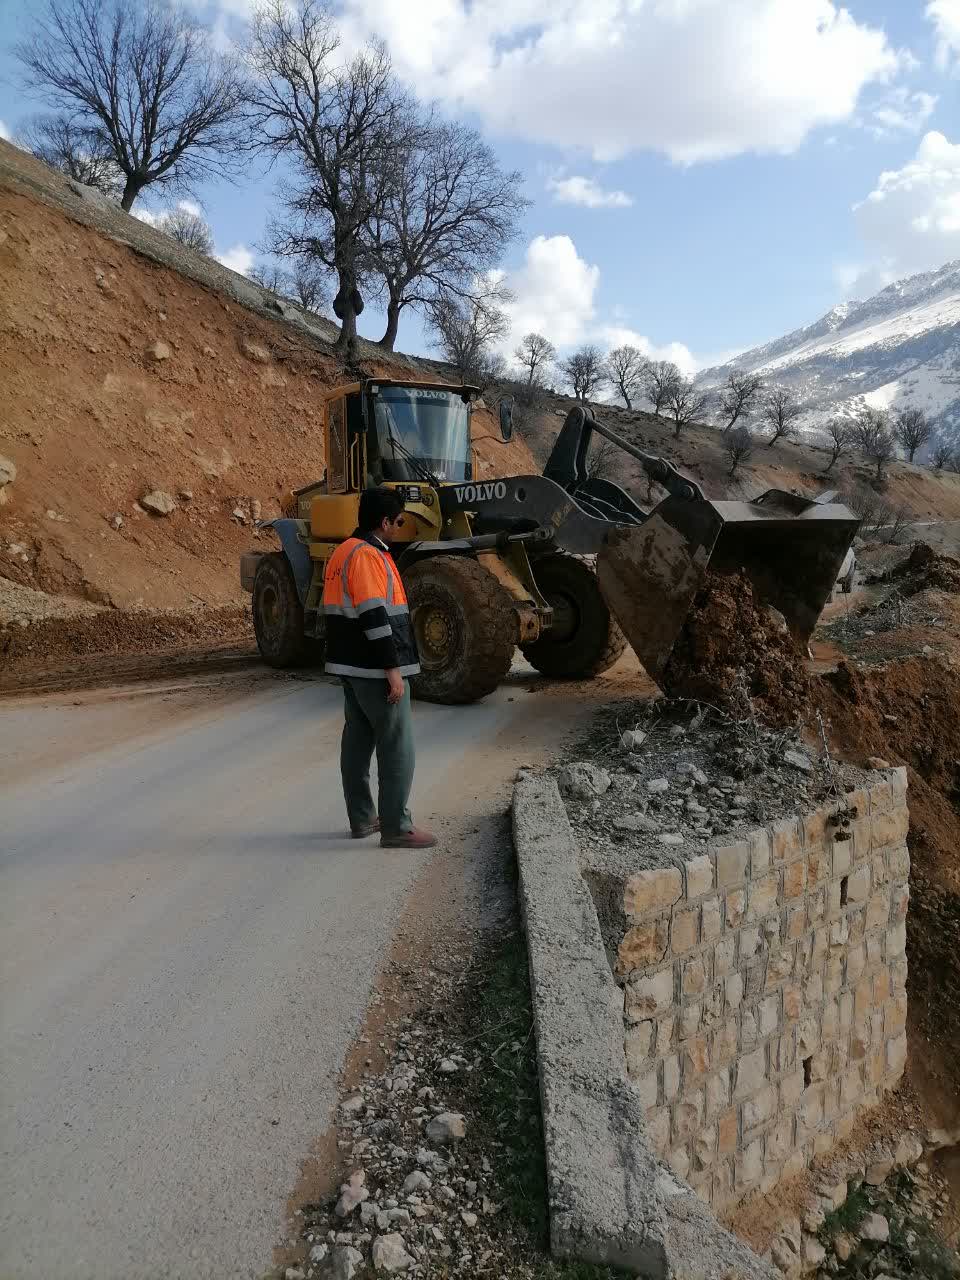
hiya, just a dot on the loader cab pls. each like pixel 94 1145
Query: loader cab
pixel 382 431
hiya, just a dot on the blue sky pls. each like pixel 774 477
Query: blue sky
pixel 705 174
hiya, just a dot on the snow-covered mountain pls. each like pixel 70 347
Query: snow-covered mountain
pixel 899 348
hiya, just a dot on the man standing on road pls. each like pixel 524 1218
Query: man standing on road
pixel 371 647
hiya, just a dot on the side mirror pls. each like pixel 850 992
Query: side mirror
pixel 506 419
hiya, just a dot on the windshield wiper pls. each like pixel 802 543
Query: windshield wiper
pixel 418 465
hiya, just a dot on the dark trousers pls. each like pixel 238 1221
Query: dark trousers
pixel 371 724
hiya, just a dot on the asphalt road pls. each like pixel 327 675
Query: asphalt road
pixel 188 943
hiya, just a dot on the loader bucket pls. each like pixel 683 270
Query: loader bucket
pixel 790 548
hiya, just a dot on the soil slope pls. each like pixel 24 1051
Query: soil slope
pixel 93 420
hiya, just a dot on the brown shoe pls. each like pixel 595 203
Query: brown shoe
pixel 361 833
pixel 415 839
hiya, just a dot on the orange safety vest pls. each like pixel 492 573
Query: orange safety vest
pixel 367 617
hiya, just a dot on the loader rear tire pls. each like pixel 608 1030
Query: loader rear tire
pixel 465 628
pixel 585 639
pixel 278 615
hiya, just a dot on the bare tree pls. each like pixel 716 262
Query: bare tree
pixel 626 369
pixel 912 431
pixel 77 152
pixel 842 436
pixel 309 285
pixel 874 438
pixel 187 228
pixel 465 331
pixel 941 454
pixel 687 404
pixel 739 443
pixel 584 370
pixel 535 353
pixel 864 502
pixel 738 395
pixel 659 382
pixel 445 219
pixel 605 460
pixel 145 83
pixel 270 276
pixel 900 518
pixel 345 126
pixel 780 409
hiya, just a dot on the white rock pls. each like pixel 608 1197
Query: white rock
pixel 293 1273
pixel 159 502
pixel 352 1194
pixel 389 1253
pixel 657 786
pixel 875 1227
pixel 467 1218
pixel 798 760
pixel 416 1181
pixel 352 1105
pixel 909 1150
pixel 158 351
pixel 448 1067
pixel 446 1127
pixel 8 471
pixel 636 822
pixel 813 1251
pixel 878 1172
pixel 583 781
pixel 319 1252
pixel 671 837
pixel 345 1261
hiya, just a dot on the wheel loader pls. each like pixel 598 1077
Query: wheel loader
pixel 564 565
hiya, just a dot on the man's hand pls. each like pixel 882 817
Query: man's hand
pixel 394 686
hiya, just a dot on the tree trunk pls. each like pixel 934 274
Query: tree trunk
pixel 911 452
pixel 388 341
pixel 830 463
pixel 626 399
pixel 131 189
pixel 345 309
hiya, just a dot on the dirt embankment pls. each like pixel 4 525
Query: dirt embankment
pixel 122 376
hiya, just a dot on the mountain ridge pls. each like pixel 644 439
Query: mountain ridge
pixel 897 348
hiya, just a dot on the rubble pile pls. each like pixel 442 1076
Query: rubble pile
pixel 728 631
pixel 891 1224
pixel 681 774
pixel 924 569
pixel 420 1197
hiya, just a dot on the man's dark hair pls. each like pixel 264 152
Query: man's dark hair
pixel 377 505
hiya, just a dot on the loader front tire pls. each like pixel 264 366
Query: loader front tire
pixel 278 614
pixel 465 628
pixel 585 639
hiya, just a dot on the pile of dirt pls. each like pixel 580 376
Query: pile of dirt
pixel 925 569
pixel 53 642
pixel 728 631
pixel 909 713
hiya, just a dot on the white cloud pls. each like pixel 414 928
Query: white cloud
pixel 615 335
pixel 239 259
pixel 911 219
pixel 587 192
pixel 678 76
pixel 5 132
pixel 902 111
pixel 554 293
pixel 945 16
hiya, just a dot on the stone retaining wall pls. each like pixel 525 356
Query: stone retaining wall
pixel 764 989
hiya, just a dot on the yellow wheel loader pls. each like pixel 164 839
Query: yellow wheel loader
pixel 565 566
